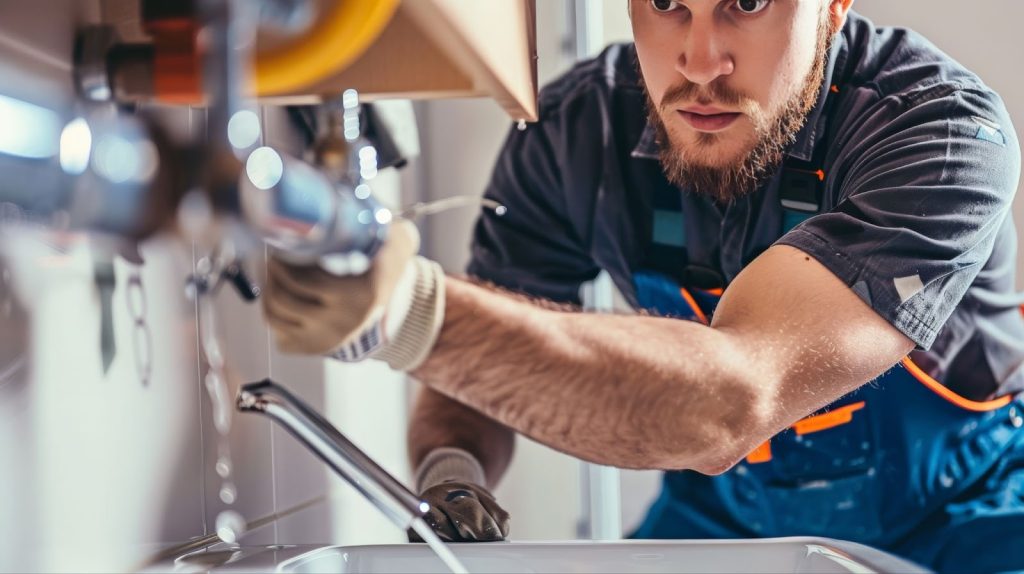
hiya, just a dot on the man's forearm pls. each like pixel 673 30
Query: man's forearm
pixel 634 392
pixel 438 421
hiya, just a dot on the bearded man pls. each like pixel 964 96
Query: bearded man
pixel 826 201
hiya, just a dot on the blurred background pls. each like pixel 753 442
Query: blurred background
pixel 91 454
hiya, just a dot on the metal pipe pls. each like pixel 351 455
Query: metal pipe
pixel 600 488
pixel 385 492
pixel 297 210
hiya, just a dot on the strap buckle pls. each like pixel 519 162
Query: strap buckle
pixel 801 189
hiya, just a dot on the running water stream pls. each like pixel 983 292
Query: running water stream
pixel 229 525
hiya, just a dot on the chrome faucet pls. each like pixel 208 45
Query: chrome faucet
pixel 385 492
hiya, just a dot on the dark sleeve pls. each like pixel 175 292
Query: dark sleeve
pixel 533 248
pixel 924 187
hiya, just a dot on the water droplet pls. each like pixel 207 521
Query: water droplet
pixel 212 379
pixel 221 405
pixel 222 421
pixel 214 358
pixel 228 493
pixel 223 467
pixel 230 526
pixel 204 265
pixel 946 481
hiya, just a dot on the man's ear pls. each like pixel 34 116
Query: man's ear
pixel 837 11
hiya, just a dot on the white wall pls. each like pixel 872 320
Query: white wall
pixel 89 458
pixel 99 471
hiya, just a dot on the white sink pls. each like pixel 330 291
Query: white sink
pixel 769 555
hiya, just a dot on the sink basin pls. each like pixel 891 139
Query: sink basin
pixel 768 555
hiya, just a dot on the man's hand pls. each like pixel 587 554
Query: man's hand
pixel 391 312
pixel 461 510
pixel 464 512
pixel 315 312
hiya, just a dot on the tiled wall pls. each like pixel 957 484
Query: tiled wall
pixel 102 470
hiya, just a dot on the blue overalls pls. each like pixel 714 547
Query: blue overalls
pixel 902 464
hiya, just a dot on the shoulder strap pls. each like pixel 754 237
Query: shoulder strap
pixel 800 192
pixel 667 253
pixel 803 182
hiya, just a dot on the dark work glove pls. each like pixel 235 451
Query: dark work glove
pixel 463 512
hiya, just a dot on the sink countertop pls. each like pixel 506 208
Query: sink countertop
pixel 763 555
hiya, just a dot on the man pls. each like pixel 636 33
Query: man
pixel 848 188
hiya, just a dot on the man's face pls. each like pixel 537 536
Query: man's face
pixel 730 83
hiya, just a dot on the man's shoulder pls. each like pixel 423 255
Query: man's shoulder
pixel 898 86
pixel 901 63
pixel 611 73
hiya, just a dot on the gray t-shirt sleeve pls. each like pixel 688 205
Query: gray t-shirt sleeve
pixel 923 183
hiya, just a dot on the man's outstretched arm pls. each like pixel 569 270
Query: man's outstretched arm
pixel 644 392
pixel 440 422
pixel 787 338
pixel 459 454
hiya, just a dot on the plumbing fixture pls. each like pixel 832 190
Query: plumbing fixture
pixel 223 265
pixel 423 209
pixel 303 215
pixel 94 171
pixel 385 492
pixel 97 168
pixel 394 500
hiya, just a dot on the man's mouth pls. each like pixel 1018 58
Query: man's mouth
pixel 708 119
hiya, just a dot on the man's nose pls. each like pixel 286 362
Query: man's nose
pixel 704 58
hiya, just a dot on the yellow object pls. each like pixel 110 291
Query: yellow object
pixel 336 40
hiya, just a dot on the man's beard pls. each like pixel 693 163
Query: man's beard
pixel 774 134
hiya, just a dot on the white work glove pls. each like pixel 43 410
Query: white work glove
pixel 461 510
pixel 393 312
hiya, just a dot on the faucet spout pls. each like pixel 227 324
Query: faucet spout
pixel 385 492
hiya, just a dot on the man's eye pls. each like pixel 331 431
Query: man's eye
pixel 750 7
pixel 664 5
